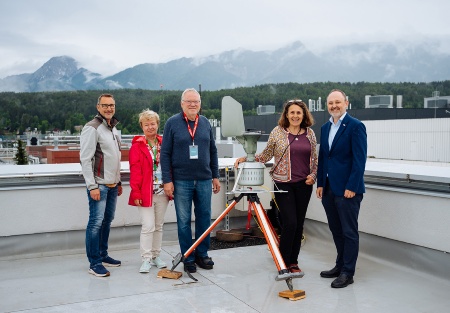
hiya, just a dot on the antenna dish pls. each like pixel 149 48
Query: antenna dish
pixel 232 118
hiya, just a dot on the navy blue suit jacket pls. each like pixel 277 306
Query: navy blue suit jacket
pixel 345 162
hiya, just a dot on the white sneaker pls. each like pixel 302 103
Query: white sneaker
pixel 145 267
pixel 158 262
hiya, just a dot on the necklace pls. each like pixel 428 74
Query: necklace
pixel 293 133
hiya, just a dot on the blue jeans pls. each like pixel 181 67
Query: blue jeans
pixel 101 214
pixel 200 192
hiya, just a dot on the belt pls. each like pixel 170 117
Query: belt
pixel 111 185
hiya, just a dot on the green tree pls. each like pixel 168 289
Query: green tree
pixel 21 157
pixel 64 110
pixel 43 126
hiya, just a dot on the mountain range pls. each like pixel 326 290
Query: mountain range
pixel 372 62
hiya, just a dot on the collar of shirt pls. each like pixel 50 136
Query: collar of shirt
pixel 340 120
pixel 334 129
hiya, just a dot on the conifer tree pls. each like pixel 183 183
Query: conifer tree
pixel 21 157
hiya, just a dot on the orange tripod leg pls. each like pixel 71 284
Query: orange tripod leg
pixel 210 228
pixel 269 234
pixel 268 231
pixel 272 241
pixel 271 227
pixel 179 257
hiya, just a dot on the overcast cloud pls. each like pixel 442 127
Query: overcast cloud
pixel 107 36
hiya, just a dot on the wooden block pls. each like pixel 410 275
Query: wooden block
pixel 292 295
pixel 165 273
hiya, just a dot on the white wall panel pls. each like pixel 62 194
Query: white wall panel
pixel 415 140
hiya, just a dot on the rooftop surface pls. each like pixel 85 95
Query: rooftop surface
pixel 242 281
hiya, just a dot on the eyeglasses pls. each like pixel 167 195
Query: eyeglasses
pixel 105 106
pixel 297 101
pixel 192 101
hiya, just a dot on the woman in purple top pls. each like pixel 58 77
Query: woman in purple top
pixel 293 145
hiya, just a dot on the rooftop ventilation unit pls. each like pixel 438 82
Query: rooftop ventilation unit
pixel 265 109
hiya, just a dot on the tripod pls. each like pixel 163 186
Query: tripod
pixel 267 229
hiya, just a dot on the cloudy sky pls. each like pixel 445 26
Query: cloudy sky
pixel 107 36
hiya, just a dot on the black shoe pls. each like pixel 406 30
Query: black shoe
pixel 342 281
pixel 334 272
pixel 204 262
pixel 190 267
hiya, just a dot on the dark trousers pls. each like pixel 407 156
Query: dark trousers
pixel 342 214
pixel 293 206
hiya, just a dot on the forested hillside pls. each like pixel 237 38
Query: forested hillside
pixel 47 111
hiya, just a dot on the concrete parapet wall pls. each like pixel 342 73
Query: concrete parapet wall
pixel 417 217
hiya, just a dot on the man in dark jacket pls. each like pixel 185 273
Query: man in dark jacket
pixel 340 183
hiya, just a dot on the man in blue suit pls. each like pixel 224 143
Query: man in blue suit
pixel 340 183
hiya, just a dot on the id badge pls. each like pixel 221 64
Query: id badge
pixel 193 152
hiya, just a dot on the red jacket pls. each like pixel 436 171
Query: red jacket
pixel 141 171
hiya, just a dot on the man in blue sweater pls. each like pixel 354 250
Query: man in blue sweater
pixel 189 162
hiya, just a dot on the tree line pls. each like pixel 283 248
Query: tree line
pixel 50 111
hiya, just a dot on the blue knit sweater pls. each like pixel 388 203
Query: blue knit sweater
pixel 175 161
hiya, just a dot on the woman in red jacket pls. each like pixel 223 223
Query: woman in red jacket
pixel 147 192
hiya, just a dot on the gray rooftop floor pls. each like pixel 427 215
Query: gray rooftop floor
pixel 241 281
